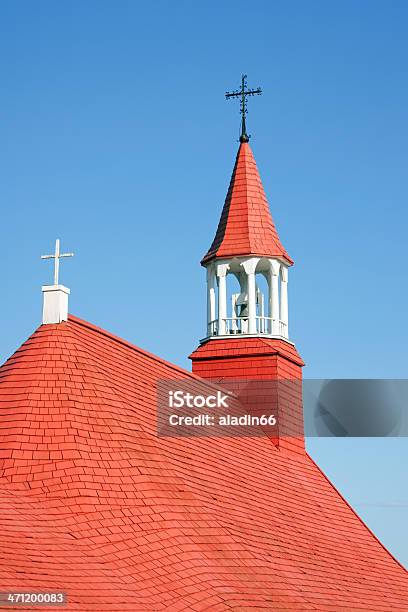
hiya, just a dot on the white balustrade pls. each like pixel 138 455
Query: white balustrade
pixel 239 325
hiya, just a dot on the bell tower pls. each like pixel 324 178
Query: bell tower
pixel 247 331
pixel 250 311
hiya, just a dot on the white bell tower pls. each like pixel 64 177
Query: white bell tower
pixel 249 312
pixel 246 253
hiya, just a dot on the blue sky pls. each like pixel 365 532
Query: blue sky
pixel 116 138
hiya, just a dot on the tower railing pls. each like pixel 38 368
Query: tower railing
pixel 239 325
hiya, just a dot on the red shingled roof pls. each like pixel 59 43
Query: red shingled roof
pixel 246 226
pixel 93 503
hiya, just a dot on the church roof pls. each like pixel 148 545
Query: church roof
pixel 94 503
pixel 246 226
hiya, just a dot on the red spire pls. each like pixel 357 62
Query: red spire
pixel 246 226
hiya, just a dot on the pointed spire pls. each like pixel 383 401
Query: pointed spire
pixel 246 226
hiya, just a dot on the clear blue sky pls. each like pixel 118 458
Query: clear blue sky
pixel 116 138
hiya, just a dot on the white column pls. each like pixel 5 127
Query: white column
pixel 222 270
pixel 210 299
pixel 274 295
pixel 234 325
pixel 284 301
pixel 250 267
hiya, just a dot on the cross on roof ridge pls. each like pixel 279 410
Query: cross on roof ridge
pixel 56 257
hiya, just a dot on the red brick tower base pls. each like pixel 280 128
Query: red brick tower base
pixel 259 359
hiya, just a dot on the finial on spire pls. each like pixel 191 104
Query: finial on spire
pixel 56 257
pixel 243 93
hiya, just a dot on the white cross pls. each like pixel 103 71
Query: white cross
pixel 56 257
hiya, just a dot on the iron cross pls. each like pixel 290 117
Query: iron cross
pixel 243 93
pixel 56 257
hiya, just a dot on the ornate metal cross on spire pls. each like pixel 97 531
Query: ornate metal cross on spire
pixel 243 93
pixel 56 257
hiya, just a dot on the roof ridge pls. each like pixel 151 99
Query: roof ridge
pixel 252 173
pixel 77 321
